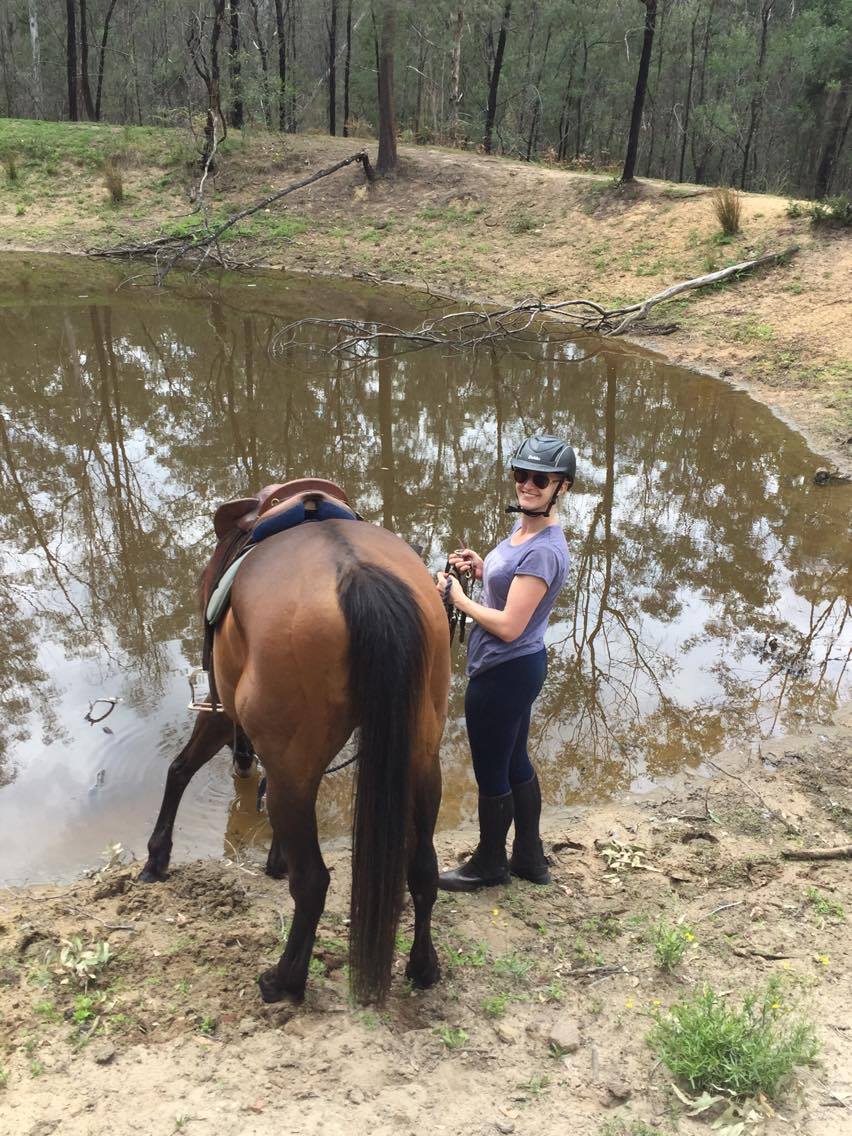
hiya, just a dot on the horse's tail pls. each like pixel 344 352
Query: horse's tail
pixel 386 671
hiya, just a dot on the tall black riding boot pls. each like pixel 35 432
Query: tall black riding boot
pixel 528 859
pixel 488 865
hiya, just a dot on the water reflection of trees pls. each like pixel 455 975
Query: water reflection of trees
pixel 692 536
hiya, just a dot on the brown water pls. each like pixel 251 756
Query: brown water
pixel 127 415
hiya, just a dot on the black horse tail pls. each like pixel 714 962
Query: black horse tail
pixel 386 670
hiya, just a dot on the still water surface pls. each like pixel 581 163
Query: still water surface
pixel 708 601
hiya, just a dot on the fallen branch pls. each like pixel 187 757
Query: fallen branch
pixel 475 327
pixel 844 852
pixel 184 247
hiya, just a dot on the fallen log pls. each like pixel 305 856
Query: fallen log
pixel 843 852
pixel 184 247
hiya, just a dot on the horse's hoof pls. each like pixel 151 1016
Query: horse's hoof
pixel 271 989
pixel 424 977
pixel 152 875
pixel 276 871
pixel 243 771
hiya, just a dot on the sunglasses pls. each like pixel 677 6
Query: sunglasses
pixel 539 480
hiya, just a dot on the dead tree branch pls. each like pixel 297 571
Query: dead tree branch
pixel 844 852
pixel 185 247
pixel 476 327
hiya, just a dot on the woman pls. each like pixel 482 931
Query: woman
pixel 507 663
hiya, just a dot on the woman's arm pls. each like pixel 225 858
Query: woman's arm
pixel 525 594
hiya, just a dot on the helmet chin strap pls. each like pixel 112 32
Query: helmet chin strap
pixel 538 512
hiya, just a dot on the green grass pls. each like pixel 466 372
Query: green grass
pixel 714 1046
pixel 827 908
pixel 670 944
pixel 450 215
pixel 41 147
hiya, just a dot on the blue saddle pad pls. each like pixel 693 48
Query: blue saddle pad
pixel 278 522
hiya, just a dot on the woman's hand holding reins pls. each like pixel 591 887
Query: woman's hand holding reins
pixel 449 588
pixel 466 560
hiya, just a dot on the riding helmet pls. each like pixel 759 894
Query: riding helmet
pixel 546 453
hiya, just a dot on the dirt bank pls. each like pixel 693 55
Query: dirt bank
pixel 469 225
pixel 538 1024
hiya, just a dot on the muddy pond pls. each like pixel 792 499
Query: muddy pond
pixel 708 602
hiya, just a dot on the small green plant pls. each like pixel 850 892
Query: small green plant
pixel 113 180
pixel 553 992
pixel 523 222
pixel 85 963
pixel 670 944
pixel 453 1037
pixel 836 211
pixel 795 209
pixel 183 987
pixel 495 1007
pixel 713 1046
pixel 36 1067
pixel 207 1025
pixel 48 1011
pixel 512 966
pixel 317 968
pixel 536 1086
pixel 10 165
pixel 84 1009
pixel 727 206
pixel 828 908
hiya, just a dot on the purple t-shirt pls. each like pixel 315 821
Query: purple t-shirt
pixel 546 556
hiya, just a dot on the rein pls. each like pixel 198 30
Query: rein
pixel 454 616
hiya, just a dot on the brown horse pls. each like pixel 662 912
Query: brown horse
pixel 332 627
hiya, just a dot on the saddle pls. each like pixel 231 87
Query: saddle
pixel 275 509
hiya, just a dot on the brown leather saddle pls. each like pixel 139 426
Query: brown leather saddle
pixel 282 506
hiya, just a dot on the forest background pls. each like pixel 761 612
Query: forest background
pixel 751 93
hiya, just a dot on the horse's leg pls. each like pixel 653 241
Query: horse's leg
pixel 423 968
pixel 276 859
pixel 243 753
pixel 294 823
pixel 212 732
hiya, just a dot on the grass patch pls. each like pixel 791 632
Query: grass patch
pixel 523 221
pixel 824 907
pixel 450 214
pixel 713 1046
pixel 727 207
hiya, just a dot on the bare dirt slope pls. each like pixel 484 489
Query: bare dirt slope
pixel 538 1025
pixel 469 225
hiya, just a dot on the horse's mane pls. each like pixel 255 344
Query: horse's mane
pixel 224 555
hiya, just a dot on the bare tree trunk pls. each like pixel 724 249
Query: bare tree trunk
pixel 38 90
pixel 331 28
pixel 282 66
pixel 101 57
pixel 235 69
pixel 641 87
pixel 456 28
pixel 346 68
pixel 84 62
pixel 7 60
pixel 264 64
pixel 387 159
pixel 757 97
pixel 536 115
pixel 71 57
pixel 833 139
pixel 494 82
pixel 688 100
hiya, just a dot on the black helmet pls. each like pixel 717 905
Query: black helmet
pixel 546 453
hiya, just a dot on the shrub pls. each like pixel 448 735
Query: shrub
pixel 713 1046
pixel 10 165
pixel 670 944
pixel 727 205
pixel 835 211
pixel 113 181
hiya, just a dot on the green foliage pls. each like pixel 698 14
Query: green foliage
pixel 670 944
pixel 453 1037
pixel 713 1046
pixel 523 221
pixel 512 966
pixel 727 207
pixel 495 1007
pixel 828 908
pixel 834 211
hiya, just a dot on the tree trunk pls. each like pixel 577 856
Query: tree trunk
pixel 456 28
pixel 101 57
pixel 833 138
pixel 332 68
pixel 387 159
pixel 84 63
pixel 38 90
pixel 639 95
pixel 264 64
pixel 688 101
pixel 532 140
pixel 282 66
pixel 235 69
pixel 494 83
pixel 71 58
pixel 346 68
pixel 757 97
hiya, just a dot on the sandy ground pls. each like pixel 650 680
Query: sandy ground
pixel 538 1024
pixel 467 225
